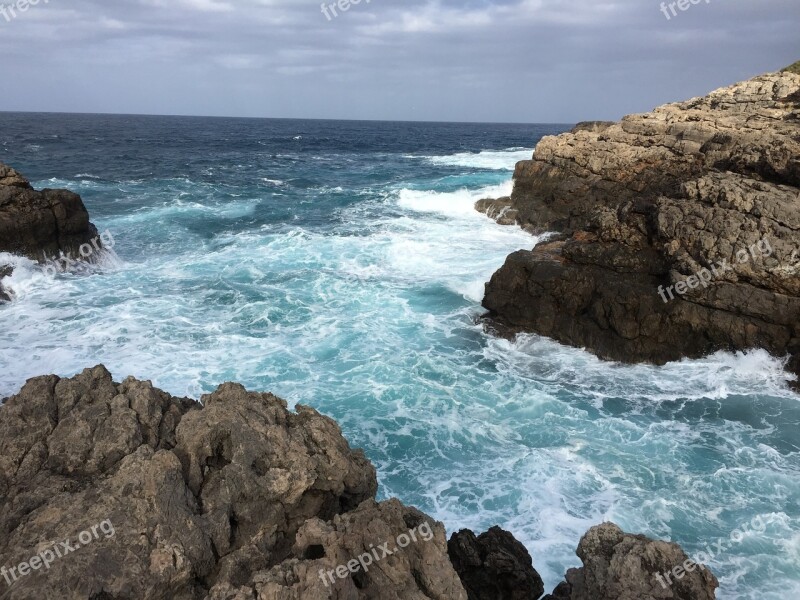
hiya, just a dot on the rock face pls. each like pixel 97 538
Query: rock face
pixel 236 499
pixel 680 230
pixel 620 566
pixel 494 566
pixel 40 224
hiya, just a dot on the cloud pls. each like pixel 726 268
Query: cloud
pixel 498 60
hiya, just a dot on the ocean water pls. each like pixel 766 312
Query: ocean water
pixel 341 265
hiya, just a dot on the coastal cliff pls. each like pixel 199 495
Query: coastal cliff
pixel 120 491
pixel 679 230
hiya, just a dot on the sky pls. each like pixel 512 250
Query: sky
pixel 518 61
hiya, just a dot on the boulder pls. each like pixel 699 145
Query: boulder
pixel 40 224
pixel 620 566
pixel 494 566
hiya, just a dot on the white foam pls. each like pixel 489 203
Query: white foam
pixel 459 204
pixel 498 160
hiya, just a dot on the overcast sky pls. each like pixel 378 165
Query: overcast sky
pixel 468 60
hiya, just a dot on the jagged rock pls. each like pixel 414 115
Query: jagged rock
pixel 500 210
pixel 150 496
pixel 649 209
pixel 40 224
pixel 562 592
pixel 494 566
pixel 593 126
pixel 620 566
pixel 10 177
pixel 239 496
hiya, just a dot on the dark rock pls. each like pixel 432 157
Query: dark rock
pixel 41 224
pixel 494 566
pixel 650 205
pixel 563 591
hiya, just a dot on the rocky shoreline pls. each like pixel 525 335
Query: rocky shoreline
pixel 239 498
pixel 676 232
pixel 679 230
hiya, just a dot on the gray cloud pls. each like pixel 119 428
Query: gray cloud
pixel 477 60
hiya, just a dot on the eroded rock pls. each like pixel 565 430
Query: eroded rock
pixel 681 230
pixel 40 224
pixel 199 497
pixel 620 566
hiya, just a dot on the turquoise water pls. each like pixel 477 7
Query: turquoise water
pixel 341 265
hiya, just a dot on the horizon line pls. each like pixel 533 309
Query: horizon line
pixel 182 116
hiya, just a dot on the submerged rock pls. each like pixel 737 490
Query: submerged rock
pixel 680 230
pixel 494 566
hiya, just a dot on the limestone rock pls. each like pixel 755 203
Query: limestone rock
pixel 238 493
pixel 680 230
pixel 620 566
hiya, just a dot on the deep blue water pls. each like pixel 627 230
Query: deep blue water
pixel 341 265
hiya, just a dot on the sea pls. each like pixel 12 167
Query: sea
pixel 341 265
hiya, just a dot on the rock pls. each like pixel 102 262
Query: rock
pixel 562 592
pixel 500 210
pixel 678 230
pixel 167 498
pixel 40 224
pixel 620 566
pixel 119 490
pixel 593 126
pixel 5 271
pixel 494 566
pixel 10 177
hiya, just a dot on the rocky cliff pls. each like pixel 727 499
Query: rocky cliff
pixel 679 230
pixel 120 491
pixel 40 224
